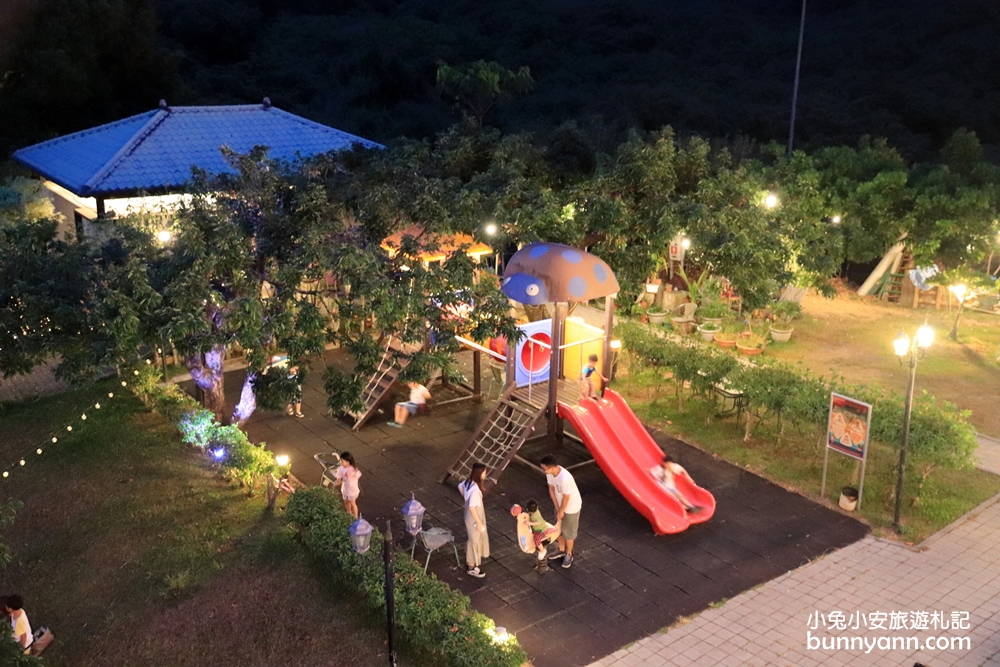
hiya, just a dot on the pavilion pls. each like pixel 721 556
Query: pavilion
pixel 144 162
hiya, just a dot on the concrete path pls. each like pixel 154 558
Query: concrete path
pixel 956 571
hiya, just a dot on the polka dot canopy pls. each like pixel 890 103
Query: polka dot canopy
pixel 549 272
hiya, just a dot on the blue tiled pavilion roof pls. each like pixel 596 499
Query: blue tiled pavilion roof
pixel 156 150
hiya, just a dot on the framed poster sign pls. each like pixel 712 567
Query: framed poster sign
pixel 848 426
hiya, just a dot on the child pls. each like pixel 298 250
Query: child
pixel 666 474
pixel 586 382
pixel 418 397
pixel 541 532
pixel 295 404
pixel 347 479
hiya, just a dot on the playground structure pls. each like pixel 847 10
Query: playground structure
pixel 541 385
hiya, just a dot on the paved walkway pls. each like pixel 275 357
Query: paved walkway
pixel 956 570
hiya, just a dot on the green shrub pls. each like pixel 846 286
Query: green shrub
pixel 940 434
pixel 196 427
pixel 431 616
pixel 243 461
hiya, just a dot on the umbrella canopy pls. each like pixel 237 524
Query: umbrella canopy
pixel 551 272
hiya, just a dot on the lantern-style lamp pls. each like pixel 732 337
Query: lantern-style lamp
pixel 361 535
pixel 413 516
pixel 901 344
pixel 925 336
pixel 500 635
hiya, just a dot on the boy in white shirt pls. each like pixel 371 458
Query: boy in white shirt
pixel 418 397
pixel 19 622
pixel 566 499
pixel 666 474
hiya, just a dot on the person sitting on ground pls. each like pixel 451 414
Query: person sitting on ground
pixel 666 474
pixel 586 380
pixel 418 397
pixel 19 622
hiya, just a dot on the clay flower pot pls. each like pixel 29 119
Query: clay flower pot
pixel 749 351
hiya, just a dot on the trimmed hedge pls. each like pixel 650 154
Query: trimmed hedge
pixel 940 433
pixel 430 615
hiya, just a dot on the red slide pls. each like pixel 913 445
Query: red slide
pixel 625 452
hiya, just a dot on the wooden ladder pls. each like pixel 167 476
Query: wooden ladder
pixel 381 382
pixel 497 439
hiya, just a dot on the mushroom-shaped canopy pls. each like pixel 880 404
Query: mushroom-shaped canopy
pixel 551 272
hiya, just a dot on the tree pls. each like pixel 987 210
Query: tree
pixel 73 64
pixel 261 259
pixel 478 87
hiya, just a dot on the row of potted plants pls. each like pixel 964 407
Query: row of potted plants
pixel 750 341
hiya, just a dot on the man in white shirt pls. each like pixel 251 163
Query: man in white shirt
pixel 566 499
pixel 19 621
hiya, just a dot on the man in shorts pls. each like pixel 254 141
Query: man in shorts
pixel 566 499
pixel 418 397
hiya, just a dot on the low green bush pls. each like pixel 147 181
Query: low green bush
pixel 941 435
pixel 431 616
pixel 241 460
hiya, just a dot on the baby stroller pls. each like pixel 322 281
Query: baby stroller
pixel 329 462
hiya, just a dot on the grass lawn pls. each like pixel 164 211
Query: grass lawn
pixel 853 337
pixel 796 460
pixel 134 553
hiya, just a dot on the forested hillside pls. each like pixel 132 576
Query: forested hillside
pixel 909 70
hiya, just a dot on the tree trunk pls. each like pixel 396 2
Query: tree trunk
pixel 206 371
pixel 248 401
pixel 954 329
pixel 749 428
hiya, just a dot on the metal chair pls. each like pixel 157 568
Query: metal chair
pixel 433 539
pixel 498 378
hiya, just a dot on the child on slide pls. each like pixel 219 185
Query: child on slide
pixel 666 474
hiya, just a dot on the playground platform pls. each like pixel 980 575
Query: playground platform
pixel 625 583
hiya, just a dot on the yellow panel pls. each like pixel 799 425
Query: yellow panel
pixel 577 330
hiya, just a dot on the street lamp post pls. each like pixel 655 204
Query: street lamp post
pixel 915 350
pixel 795 86
pixel 361 532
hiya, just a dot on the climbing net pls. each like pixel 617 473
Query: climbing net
pixel 495 445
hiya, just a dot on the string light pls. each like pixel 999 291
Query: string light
pixel 69 429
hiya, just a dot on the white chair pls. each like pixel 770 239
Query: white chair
pixel 434 539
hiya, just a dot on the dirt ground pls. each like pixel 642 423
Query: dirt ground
pixel 852 337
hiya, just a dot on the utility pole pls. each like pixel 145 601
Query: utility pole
pixel 795 86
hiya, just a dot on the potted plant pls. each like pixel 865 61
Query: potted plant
pixel 751 345
pixel 713 312
pixel 708 331
pixel 782 313
pixel 656 315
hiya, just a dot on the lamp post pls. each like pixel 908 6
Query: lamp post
pixel 413 519
pixel 361 533
pixel 915 350
pixel 795 86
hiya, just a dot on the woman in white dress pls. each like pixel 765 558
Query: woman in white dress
pixel 477 546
